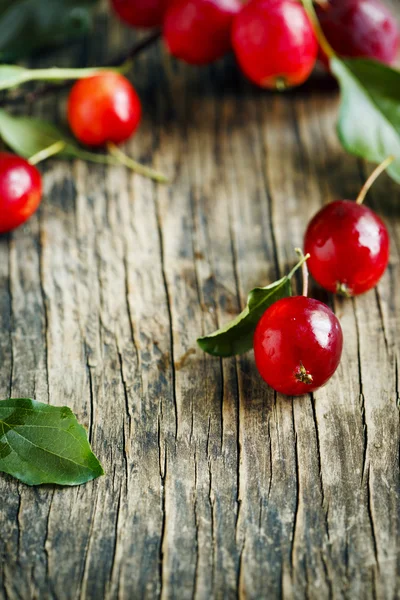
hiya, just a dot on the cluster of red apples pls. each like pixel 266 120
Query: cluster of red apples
pixel 273 40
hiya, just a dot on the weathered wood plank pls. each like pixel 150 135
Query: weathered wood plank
pixel 215 486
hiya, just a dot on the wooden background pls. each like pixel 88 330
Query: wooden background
pixel 216 487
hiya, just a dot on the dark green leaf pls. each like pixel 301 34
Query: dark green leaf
pixel 237 336
pixel 44 444
pixel 369 122
pixel 30 25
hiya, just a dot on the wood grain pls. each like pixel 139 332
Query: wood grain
pixel 215 487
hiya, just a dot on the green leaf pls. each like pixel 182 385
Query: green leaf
pixel 28 137
pixel 237 336
pixel 44 444
pixel 369 121
pixel 12 75
pixel 30 25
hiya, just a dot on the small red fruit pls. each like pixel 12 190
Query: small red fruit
pixel 141 13
pixel 349 248
pixel 275 43
pixel 20 191
pixel 348 244
pixel 360 28
pixel 199 31
pixel 298 345
pixel 103 108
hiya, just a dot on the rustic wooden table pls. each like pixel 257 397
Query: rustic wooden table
pixel 215 487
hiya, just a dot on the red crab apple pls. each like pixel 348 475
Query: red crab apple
pixel 199 31
pixel 359 28
pixel 298 345
pixel 141 13
pixel 275 43
pixel 348 244
pixel 20 191
pixel 103 108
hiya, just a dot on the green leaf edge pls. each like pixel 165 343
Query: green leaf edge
pixel 276 286
pixel 205 340
pixel 334 62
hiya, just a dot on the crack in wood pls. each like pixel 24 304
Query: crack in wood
pixel 362 398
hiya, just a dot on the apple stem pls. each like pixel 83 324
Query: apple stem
pixel 372 178
pixel 55 148
pixel 312 15
pixel 135 166
pixel 304 270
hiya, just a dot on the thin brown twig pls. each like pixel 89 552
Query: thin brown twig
pixel 136 49
pixel 47 89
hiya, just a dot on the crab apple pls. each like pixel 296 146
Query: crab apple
pixel 20 191
pixel 103 108
pixel 275 43
pixel 141 13
pixel 360 28
pixel 298 344
pixel 349 248
pixel 348 243
pixel 199 31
